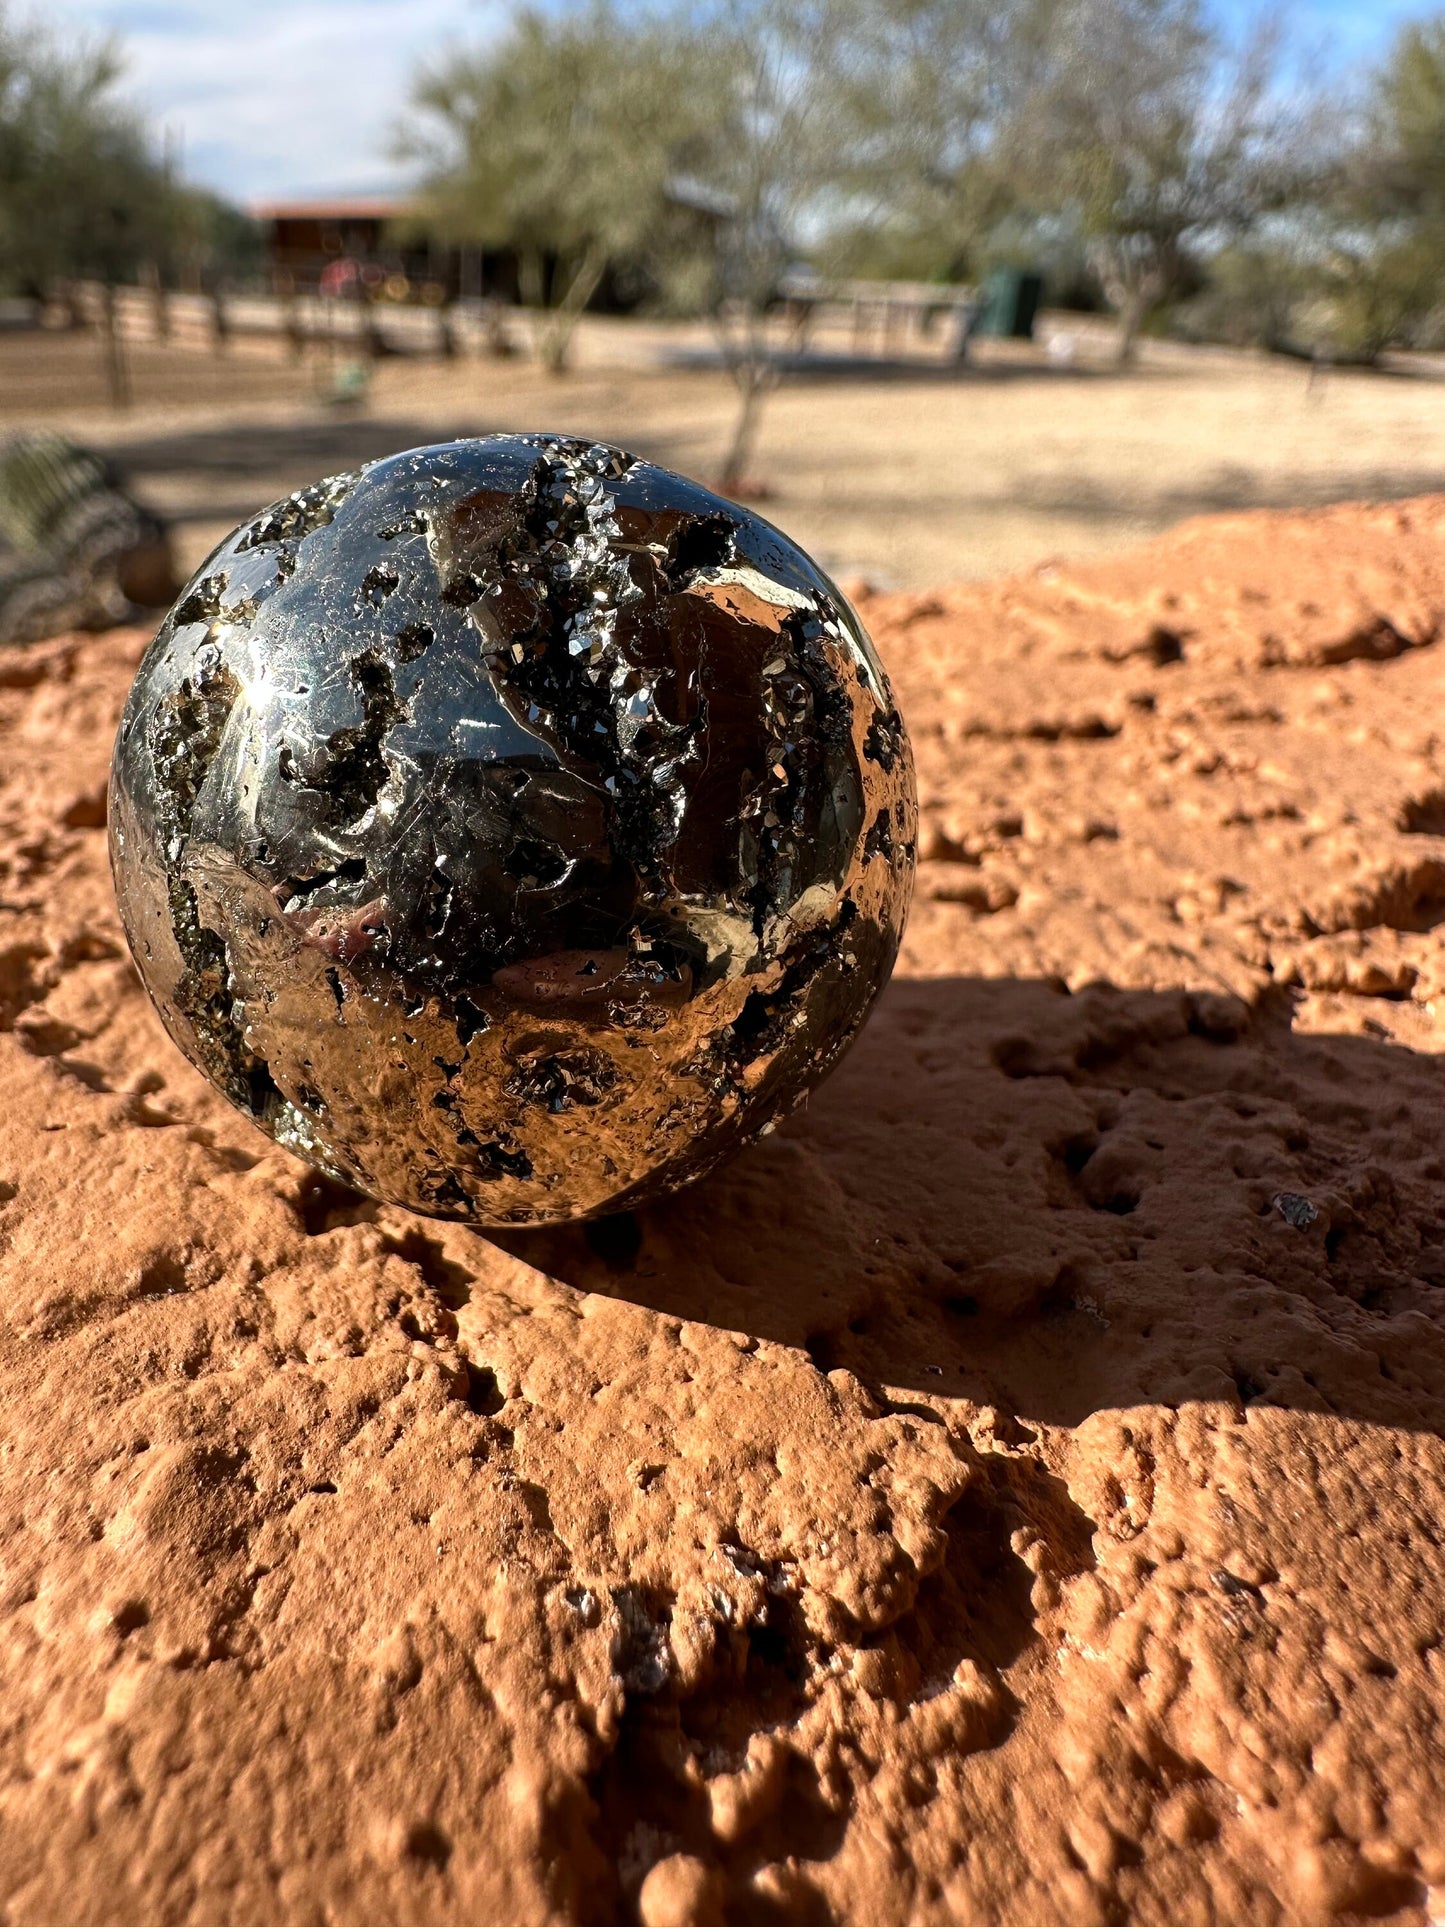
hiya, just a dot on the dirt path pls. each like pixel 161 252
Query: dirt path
pixel 918 476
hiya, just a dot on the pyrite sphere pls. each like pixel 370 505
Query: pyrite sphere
pixel 512 828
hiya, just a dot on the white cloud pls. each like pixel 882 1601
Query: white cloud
pixel 274 98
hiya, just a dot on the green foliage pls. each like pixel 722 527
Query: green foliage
pixel 1254 295
pixel 1174 142
pixel 693 145
pixel 1399 170
pixel 562 143
pixel 1381 274
pixel 893 249
pixel 563 137
pixel 1388 295
pixel 210 238
pixel 1357 265
pixel 928 103
pixel 701 149
pixel 80 191
pixel 918 139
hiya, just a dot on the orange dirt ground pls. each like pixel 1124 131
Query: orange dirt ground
pixel 1012 1493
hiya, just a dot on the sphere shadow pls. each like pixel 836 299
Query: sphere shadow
pixel 1053 1204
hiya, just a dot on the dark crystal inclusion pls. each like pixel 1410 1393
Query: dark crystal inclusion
pixel 512 828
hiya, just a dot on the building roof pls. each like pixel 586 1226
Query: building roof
pixel 375 208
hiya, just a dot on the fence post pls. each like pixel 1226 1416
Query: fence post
pixel 116 369
pixel 220 321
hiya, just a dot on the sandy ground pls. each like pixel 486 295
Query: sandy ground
pixel 1009 1494
pixel 908 475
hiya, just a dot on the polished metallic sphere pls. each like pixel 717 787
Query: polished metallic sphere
pixel 512 828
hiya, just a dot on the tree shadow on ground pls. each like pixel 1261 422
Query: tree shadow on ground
pixel 258 460
pixel 1228 489
pixel 1057 1204
pixel 824 364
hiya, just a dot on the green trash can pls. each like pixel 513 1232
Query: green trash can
pixel 1007 304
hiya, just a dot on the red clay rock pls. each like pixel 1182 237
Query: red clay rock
pixel 1010 1493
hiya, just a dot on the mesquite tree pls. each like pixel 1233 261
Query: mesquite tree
pixel 559 143
pixel 1165 136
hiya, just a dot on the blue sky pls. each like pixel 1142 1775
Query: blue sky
pixel 270 98
pixel 1343 31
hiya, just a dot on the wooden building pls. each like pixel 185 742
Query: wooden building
pixel 331 245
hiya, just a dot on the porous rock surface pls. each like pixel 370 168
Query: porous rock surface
pixel 1012 1492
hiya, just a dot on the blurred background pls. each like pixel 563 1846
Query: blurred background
pixel 949 287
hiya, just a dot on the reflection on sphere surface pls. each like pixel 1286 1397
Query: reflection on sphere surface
pixel 512 828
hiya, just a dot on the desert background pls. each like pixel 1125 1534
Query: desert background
pixel 911 474
pixel 1010 1492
